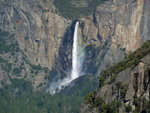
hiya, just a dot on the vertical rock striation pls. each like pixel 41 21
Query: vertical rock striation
pixel 116 28
pixel 37 28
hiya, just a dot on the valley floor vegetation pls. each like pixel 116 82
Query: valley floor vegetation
pixel 19 97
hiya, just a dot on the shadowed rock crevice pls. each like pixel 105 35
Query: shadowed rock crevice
pixel 63 62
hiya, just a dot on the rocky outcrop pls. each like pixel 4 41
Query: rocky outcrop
pixel 130 88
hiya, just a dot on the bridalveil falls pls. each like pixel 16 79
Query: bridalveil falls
pixel 75 55
pixel 77 61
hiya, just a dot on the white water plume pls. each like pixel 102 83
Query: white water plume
pixel 77 60
pixel 75 55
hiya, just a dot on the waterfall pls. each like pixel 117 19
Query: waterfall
pixel 77 60
pixel 75 55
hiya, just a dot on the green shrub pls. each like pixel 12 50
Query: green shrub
pixel 128 108
pixel 99 102
pixel 148 107
pixel 136 110
pixel 5 65
pixel 17 71
pixel 2 60
pixel 112 79
pixel 135 102
pixel 118 85
pixel 5 37
pixel 89 98
pixel 109 108
pixel 3 33
pixel 123 91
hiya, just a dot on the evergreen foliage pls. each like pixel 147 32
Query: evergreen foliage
pixel 5 44
pixel 128 108
pixel 148 107
pixel 75 9
pixel 130 61
pixel 20 97
pixel 99 103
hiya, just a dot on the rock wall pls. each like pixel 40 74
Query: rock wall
pixel 115 29
pixel 133 89
pixel 38 31
pixel 37 27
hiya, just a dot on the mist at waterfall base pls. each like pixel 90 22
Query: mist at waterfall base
pixel 77 61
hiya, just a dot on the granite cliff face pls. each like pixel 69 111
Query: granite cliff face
pixel 38 31
pixel 37 27
pixel 115 29
pixel 44 37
